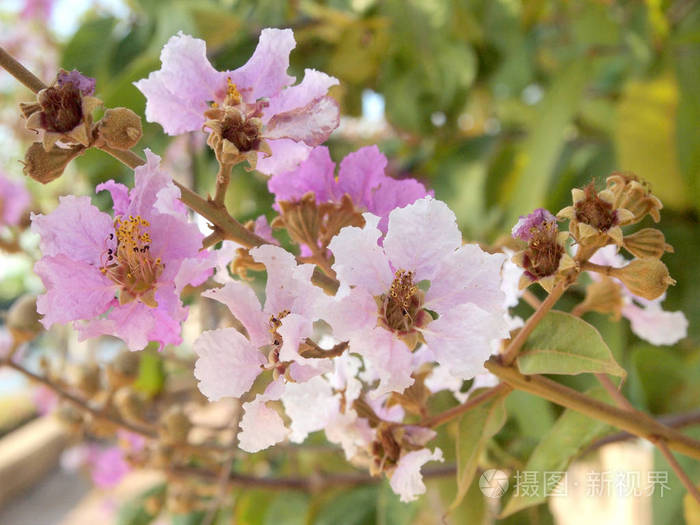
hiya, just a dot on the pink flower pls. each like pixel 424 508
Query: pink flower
pixel 38 9
pixel 258 98
pixel 122 276
pixel 647 318
pixel 527 224
pixel 107 465
pixel 406 480
pixel 361 176
pixel 14 201
pixel 429 287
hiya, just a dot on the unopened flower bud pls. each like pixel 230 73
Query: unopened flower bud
pixel 89 379
pixel 647 243
pixel 647 278
pixel 633 194
pixel 603 296
pixel 129 404
pixel 120 128
pixel 175 426
pixel 45 166
pixel 23 319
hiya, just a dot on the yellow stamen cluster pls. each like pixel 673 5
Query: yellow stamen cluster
pixel 402 288
pixel 130 264
pixel 233 96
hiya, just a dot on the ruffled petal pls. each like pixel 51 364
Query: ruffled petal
pixel 420 235
pixel 656 325
pixel 288 284
pixel 351 315
pixel 227 364
pixel 177 94
pixel 468 275
pixel 286 154
pixel 313 86
pixel 149 181
pixel 75 228
pixel 461 338
pixel 359 260
pixel 359 175
pixel 311 124
pixel 119 193
pixel 388 358
pixel 406 480
pixel 294 330
pixel 74 290
pixel 194 271
pixel 314 174
pixel 245 307
pixel 262 426
pixel 297 400
pixel 393 193
pixel 265 73
pixel 173 239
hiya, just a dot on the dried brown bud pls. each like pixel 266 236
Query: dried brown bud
pixel 647 278
pixel 23 319
pixel 175 426
pixel 45 166
pixel 648 242
pixel 234 136
pixel 120 128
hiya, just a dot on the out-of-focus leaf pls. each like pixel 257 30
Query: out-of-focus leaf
pixel 134 511
pixel 355 507
pixel 546 137
pixel 88 49
pixel 290 508
pixel 645 138
pixel 151 376
pixel 390 509
pixel 191 518
pixel 216 25
pixel 564 344
pixel 251 507
pixel 533 414
pixel 567 438
pixel 474 429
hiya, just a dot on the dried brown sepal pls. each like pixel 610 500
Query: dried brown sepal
pixel 45 166
pixel 234 137
pixel 603 296
pixel 647 243
pixel 120 128
pixel 415 397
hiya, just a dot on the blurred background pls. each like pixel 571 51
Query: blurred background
pixel 500 106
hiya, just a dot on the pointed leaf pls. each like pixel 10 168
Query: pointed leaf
pixel 564 344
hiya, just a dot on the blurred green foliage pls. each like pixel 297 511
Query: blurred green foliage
pixel 501 106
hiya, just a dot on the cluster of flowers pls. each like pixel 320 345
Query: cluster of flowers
pixel 416 311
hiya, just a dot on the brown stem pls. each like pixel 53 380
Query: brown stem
pixel 501 389
pixel 646 428
pixel 531 299
pixel 511 352
pixel 223 177
pixel 598 268
pixel 682 475
pixel 617 396
pixel 310 483
pixel 21 73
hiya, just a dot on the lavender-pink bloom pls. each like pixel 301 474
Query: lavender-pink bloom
pixel 361 176
pixel 122 276
pixel 534 221
pixel 14 201
pixel 290 120
pixel 85 84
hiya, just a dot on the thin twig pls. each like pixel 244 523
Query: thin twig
pixel 682 475
pixel 450 414
pixel 21 73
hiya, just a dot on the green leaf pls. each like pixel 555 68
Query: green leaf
pixel 474 430
pixel 354 507
pixel 568 437
pixel 191 518
pixel 390 509
pixel 564 344
pixel 151 376
pixel 251 507
pixel 88 50
pixel 289 508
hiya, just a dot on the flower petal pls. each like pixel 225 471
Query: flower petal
pixel 286 154
pixel 227 364
pixel 388 358
pixel 360 173
pixel 245 307
pixel 359 260
pixel 75 228
pixel 420 235
pixel 177 94
pixel 74 290
pixel 406 480
pixel 265 73
pixel 262 426
pixel 313 86
pixel 311 124
pixel 119 193
pixel 297 400
pixel 315 174
pixel 656 325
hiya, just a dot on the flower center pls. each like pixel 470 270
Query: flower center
pixel 62 108
pixel 595 211
pixel 544 252
pixel 241 132
pixel 400 309
pixel 130 264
